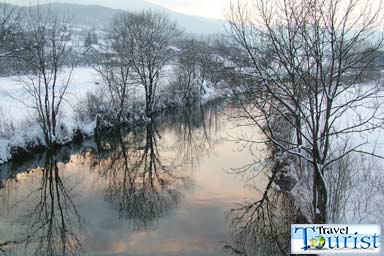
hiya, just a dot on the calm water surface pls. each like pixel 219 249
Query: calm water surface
pixel 164 188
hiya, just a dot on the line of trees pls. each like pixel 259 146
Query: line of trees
pixel 147 49
pixel 196 65
pixel 137 51
pixel 295 69
pixel 302 65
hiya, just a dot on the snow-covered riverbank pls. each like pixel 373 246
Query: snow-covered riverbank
pixel 21 131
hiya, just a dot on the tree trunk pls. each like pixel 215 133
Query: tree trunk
pixel 319 198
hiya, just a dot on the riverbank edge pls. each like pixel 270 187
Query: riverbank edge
pixel 90 130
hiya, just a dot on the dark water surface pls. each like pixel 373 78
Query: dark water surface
pixel 164 188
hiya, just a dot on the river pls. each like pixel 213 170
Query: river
pixel 169 187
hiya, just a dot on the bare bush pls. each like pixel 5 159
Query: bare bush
pixel 7 129
pixel 88 108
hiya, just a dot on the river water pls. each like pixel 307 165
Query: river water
pixel 169 187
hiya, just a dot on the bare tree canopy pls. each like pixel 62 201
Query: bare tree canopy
pixel 46 66
pixel 9 18
pixel 303 67
pixel 144 40
pixel 196 65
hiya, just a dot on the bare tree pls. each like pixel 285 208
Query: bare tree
pixel 187 72
pixel 115 71
pixel 208 63
pixel 301 72
pixel 145 40
pixel 198 64
pixel 9 18
pixel 47 66
pixel 10 31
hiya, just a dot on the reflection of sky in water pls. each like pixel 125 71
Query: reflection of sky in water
pixel 195 226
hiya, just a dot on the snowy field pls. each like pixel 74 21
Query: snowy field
pixel 15 107
pixel 14 102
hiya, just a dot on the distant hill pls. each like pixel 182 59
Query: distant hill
pixel 99 16
pixel 87 15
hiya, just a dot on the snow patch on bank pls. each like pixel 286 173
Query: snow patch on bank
pixel 15 107
pixel 360 181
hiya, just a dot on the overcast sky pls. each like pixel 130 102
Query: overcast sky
pixel 205 8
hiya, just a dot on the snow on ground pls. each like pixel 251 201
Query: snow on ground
pixel 362 111
pixel 364 172
pixel 15 107
pixel 13 100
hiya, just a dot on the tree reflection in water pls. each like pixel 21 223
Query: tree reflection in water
pixel 138 185
pixel 51 224
pixel 143 185
pixel 193 130
pixel 142 182
pixel 263 227
pixel 141 175
pixel 138 170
